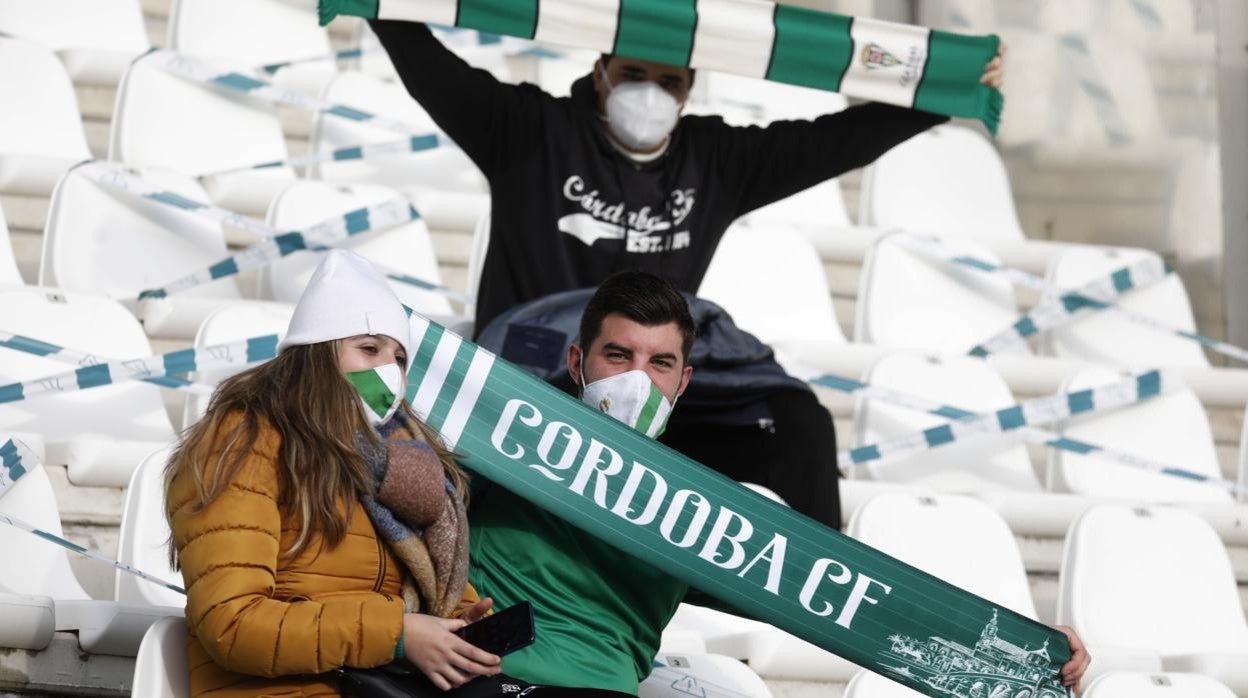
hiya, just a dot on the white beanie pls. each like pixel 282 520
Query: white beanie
pixel 347 297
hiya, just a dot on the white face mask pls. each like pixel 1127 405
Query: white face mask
pixel 381 391
pixel 630 397
pixel 641 114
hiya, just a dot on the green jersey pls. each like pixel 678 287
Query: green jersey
pixel 598 612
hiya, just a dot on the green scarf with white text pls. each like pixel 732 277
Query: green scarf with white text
pixel 717 536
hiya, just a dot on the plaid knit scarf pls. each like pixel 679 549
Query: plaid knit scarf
pixel 887 62
pixel 420 516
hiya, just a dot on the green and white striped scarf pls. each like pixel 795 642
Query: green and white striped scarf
pixel 887 62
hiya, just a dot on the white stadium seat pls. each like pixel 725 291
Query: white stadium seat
pixel 1152 588
pixel 947 181
pixel 143 540
pixel 909 300
pixel 100 433
pixel 255 33
pixel 813 210
pixel 445 168
pixel 1171 428
pixel 161 669
pixel 989 463
pixel 104 627
pixel 232 324
pixel 103 241
pixel 9 274
pixel 959 539
pixel 1126 684
pixel 705 675
pixel 1107 336
pixel 166 122
pixel 96 39
pixel 43 138
pixel 406 248
pixel 786 302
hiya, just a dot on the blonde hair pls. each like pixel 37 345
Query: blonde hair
pixel 304 396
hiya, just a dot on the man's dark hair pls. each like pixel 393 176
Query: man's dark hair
pixel 643 298
pixel 606 61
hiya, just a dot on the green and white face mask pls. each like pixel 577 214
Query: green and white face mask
pixel 631 397
pixel 381 391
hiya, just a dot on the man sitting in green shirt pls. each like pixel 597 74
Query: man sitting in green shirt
pixel 598 612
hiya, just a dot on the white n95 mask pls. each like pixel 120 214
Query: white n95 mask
pixel 381 391
pixel 632 398
pixel 641 114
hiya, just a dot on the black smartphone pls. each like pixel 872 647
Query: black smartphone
pixel 503 632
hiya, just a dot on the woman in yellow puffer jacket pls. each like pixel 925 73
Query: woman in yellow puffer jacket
pixel 293 504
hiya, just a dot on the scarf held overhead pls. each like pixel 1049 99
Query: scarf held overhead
pixel 899 64
pixel 715 535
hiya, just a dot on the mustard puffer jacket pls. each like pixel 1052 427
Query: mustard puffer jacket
pixel 260 627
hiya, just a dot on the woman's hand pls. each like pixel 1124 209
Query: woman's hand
pixel 448 660
pixel 994 71
pixel 1072 671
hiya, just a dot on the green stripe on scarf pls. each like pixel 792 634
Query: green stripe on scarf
pixel 811 49
pixel 657 30
pixel 956 60
pixel 507 17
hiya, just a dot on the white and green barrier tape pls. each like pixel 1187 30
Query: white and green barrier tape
pixel 412 144
pixel 234 82
pixel 275 245
pixel 16 460
pixel 1063 305
pixel 35 347
pixel 1029 413
pixel 1034 434
pixel 233 354
pixel 899 64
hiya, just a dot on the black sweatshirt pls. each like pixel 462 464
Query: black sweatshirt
pixel 568 209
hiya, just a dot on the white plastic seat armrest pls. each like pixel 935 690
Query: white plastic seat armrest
pixel 102 462
pixel 29 621
pixel 1106 659
pixel 107 627
pixel 1228 668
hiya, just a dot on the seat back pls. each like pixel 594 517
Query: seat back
pixel 445 168
pixel 1150 577
pixel 1171 428
pixel 908 300
pixel 143 541
pixel 44 136
pixel 866 684
pixel 947 181
pixel 9 275
pixel 249 32
pixel 821 206
pixel 958 539
pixel 44 567
pixel 407 248
pixel 89 323
pixel 476 257
pixel 686 674
pixel 1127 684
pixel 161 669
pixel 164 121
pixel 1107 336
pixel 99 240
pixel 231 324
pixel 990 462
pixel 115 25
pixel 786 296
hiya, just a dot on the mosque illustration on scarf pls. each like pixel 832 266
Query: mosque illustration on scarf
pixel 993 668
